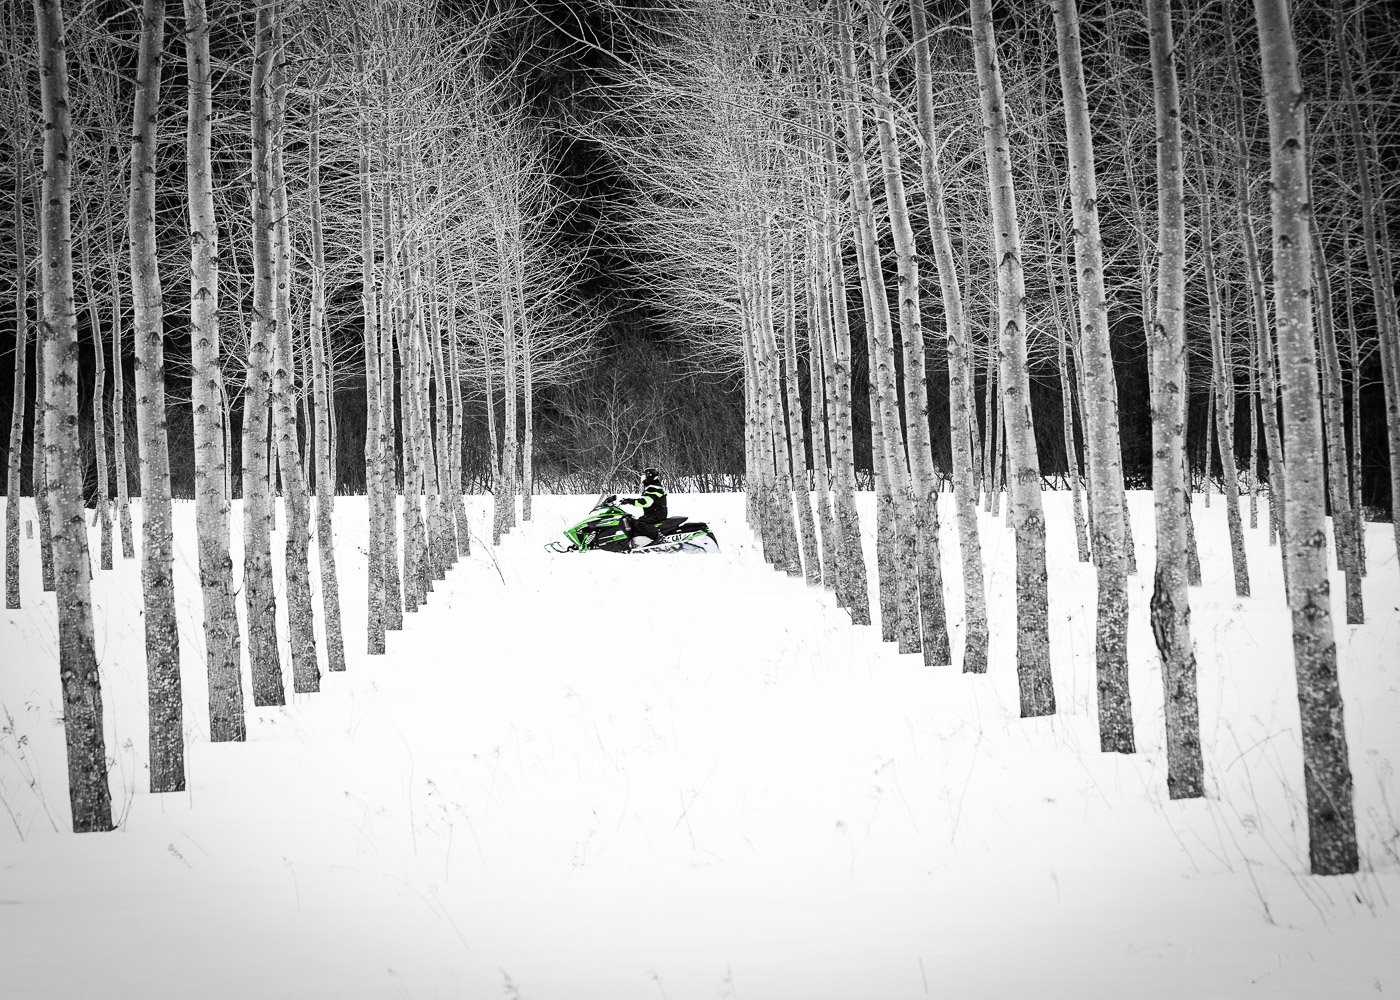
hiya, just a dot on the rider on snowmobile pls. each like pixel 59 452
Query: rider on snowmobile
pixel 645 512
pixel 632 523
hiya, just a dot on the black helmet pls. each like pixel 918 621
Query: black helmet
pixel 650 477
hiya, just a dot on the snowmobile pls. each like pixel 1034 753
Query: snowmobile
pixel 605 529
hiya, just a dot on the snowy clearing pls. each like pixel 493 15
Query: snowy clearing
pixel 605 776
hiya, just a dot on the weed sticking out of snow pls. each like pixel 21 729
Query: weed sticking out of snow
pixel 599 776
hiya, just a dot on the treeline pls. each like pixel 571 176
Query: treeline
pixel 239 221
pixel 978 199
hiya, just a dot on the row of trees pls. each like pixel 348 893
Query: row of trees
pixel 346 173
pixel 802 166
pixel 359 175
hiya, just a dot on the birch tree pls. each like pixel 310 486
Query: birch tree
pixel 221 639
pixel 119 448
pixel 40 474
pixel 960 394
pixel 157 537
pixel 88 795
pixel 306 675
pixel 99 388
pixel 894 498
pixel 18 389
pixel 377 499
pixel 325 486
pixel 1171 611
pixel 259 596
pixel 934 636
pixel 1027 514
pixel 1100 402
pixel 1326 770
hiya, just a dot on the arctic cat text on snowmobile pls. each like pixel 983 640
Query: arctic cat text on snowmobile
pixel 606 529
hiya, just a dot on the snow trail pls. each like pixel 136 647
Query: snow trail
pixel 606 776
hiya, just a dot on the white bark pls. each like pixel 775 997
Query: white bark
pixel 1100 402
pixel 157 540
pixel 259 597
pixel 961 398
pixel 899 615
pixel 17 396
pixel 88 795
pixel 221 639
pixel 1171 611
pixel 1027 515
pixel 923 481
pixel 1326 770
pixel 324 402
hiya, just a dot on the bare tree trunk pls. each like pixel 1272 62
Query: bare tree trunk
pixel 99 411
pixel 1032 615
pixel 321 388
pixel 492 434
pixel 1193 555
pixel 819 374
pixel 991 421
pixel 797 430
pixel 1343 515
pixel 157 538
pixel 505 497
pixel 13 486
pixel 259 596
pixel 301 377
pixel 527 379
pixel 428 459
pixel 1326 771
pixel 1252 479
pixel 415 574
pixel 454 475
pixel 784 529
pixel 923 480
pixel 1264 364
pixel 1223 379
pixel 1354 361
pixel 751 484
pixel 306 675
pixel 1081 541
pixel 119 401
pixel 430 528
pixel 40 473
pixel 447 532
pixel 961 398
pixel 886 518
pixel 1208 446
pixel 1171 611
pixel 417 577
pixel 764 464
pixel 895 500
pixel 758 470
pixel 224 655
pixel 375 422
pixel 818 371
pixel 393 592
pixel 838 349
pixel 88 794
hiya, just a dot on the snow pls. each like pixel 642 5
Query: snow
pixel 668 777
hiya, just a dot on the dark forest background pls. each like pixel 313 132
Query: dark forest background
pixel 640 384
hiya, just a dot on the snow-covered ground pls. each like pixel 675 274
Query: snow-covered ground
pixel 671 777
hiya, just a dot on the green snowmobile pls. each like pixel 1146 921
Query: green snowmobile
pixel 610 527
